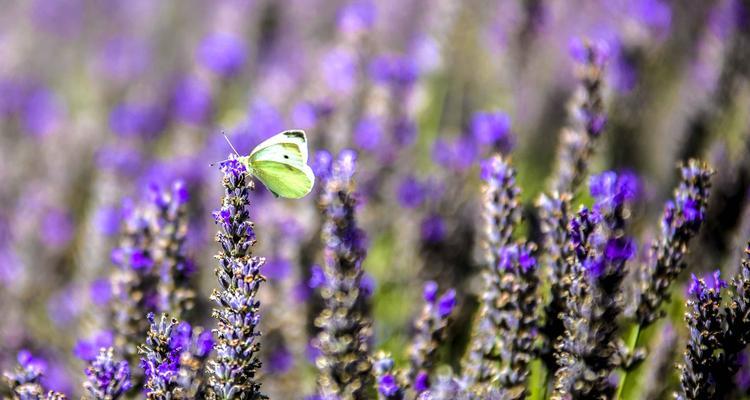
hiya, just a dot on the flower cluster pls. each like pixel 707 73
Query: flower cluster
pixel 388 384
pixel 518 315
pixel 700 371
pixel 430 332
pixel 501 214
pixel 172 359
pixel 175 269
pixel 107 377
pixel 234 370
pixel 587 353
pixel 554 221
pixel 683 217
pixel 588 118
pixel 718 334
pixel 344 339
pixel 25 381
pixel 154 273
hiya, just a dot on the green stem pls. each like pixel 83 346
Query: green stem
pixel 635 334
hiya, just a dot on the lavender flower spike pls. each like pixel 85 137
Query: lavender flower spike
pixel 172 358
pixel 700 371
pixel 519 315
pixel 737 332
pixel 233 371
pixel 134 282
pixel 554 217
pixel 588 119
pixel 501 214
pixel 430 332
pixel 106 377
pixel 160 362
pixel 176 291
pixel 683 217
pixel 25 380
pixel 344 362
pixel 589 351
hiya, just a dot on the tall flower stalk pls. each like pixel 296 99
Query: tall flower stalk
pixel 587 117
pixel 519 315
pixel 134 281
pixel 501 214
pixel 589 352
pixel 344 339
pixel 176 290
pixel 430 332
pixel 700 370
pixel 682 219
pixel 234 370
pixel 587 120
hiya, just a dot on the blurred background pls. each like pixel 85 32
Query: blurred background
pixel 102 101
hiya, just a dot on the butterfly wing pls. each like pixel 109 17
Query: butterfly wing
pixel 290 139
pixel 283 179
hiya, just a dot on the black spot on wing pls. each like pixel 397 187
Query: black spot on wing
pixel 295 134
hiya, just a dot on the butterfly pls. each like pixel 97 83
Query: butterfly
pixel 280 163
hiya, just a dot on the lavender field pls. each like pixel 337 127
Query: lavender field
pixel 512 199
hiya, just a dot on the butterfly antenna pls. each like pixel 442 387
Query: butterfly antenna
pixel 230 144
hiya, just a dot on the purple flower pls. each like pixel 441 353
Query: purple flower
pixel 233 168
pixel 714 282
pixel 107 378
pixel 346 164
pixel 387 385
pixel 655 14
pixel 222 53
pixel 357 16
pixel 280 360
pixel 277 268
pixel 107 220
pixel 42 113
pixel 620 249
pixel 29 361
pixel 411 193
pixel 192 100
pixel 430 291
pixel 140 260
pixel 596 52
pixel 368 134
pixel 339 71
pixel 204 344
pixel 57 228
pixel 398 71
pixel 691 210
pixel 317 277
pixel 132 119
pixel 321 164
pixel 88 349
pixel 405 132
pixel 421 382
pixel 611 190
pixel 492 128
pixel 100 291
pixel 305 115
pixel 446 303
pixel 699 288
